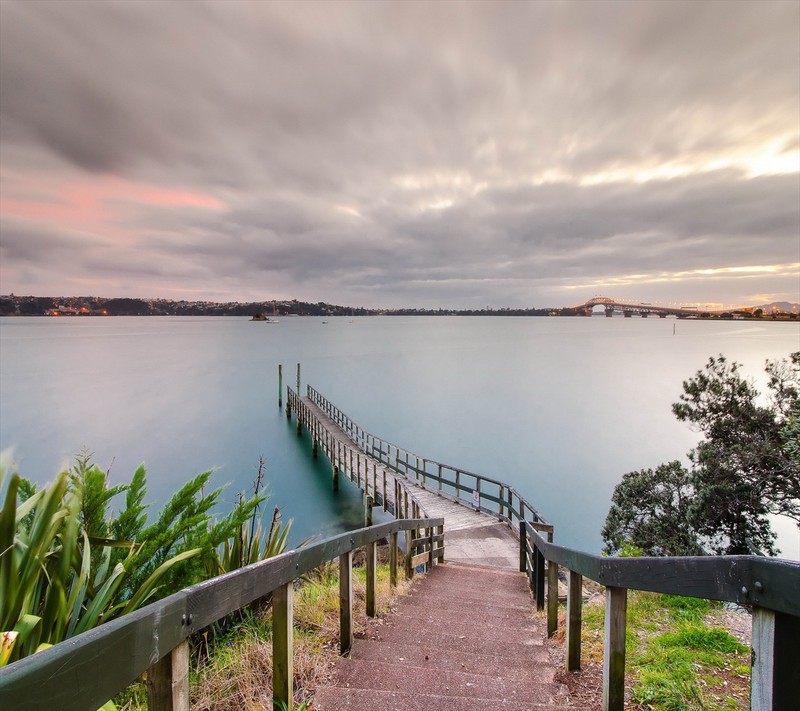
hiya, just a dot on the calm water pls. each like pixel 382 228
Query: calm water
pixel 559 407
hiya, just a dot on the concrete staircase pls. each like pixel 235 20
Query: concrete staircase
pixel 464 639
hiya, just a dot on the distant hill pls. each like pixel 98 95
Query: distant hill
pixel 783 306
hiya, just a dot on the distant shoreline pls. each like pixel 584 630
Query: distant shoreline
pixel 83 306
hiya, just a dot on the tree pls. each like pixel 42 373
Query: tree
pixel 645 509
pixel 746 467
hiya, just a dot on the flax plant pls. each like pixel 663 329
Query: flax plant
pixel 66 565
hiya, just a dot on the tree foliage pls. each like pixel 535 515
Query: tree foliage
pixel 746 467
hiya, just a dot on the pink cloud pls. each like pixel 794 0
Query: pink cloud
pixel 93 206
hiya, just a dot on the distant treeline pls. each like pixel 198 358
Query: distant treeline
pixel 96 306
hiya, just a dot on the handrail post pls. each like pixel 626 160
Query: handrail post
pixel 538 566
pixel 371 574
pixel 500 504
pixel 523 547
pixel 168 681
pixel 574 614
pixel 614 649
pixel 345 602
pixel 774 681
pixel 761 681
pixel 552 597
pixel 393 559
pixel 283 644
pixel 368 512
pixel 431 556
pixel 409 552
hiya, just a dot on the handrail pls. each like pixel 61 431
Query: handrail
pixel 770 585
pixel 494 497
pixel 85 671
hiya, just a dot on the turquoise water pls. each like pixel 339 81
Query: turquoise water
pixel 559 407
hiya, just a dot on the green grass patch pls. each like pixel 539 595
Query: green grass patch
pixel 678 657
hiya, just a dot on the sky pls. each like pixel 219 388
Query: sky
pixel 419 154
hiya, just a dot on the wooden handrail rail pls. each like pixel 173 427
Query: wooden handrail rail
pixel 770 585
pixel 730 578
pixel 85 671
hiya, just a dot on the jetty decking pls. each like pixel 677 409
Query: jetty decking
pixel 471 535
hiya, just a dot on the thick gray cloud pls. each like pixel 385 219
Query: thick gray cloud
pixel 401 153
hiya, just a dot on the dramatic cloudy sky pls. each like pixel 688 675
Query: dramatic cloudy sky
pixel 401 153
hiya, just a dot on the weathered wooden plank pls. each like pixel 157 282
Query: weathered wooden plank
pixel 761 677
pixel 393 560
pixel 574 618
pixel 371 573
pixel 614 649
pixel 283 644
pixel 168 681
pixel 539 579
pixel 345 602
pixel 785 677
pixel 552 598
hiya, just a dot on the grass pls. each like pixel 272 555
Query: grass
pixel 233 670
pixel 678 656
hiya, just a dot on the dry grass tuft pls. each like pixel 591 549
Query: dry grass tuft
pixel 238 675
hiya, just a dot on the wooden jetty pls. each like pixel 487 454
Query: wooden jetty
pixel 477 511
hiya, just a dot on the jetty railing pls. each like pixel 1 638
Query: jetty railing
pixel 771 586
pixel 423 546
pixel 87 670
pixel 482 493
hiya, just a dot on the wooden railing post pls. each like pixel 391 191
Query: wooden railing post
pixel 431 555
pixel 574 614
pixel 614 649
pixel 409 553
pixel 774 682
pixel 345 602
pixel 538 565
pixel 552 597
pixel 371 575
pixel 368 511
pixel 393 560
pixel 168 681
pixel 283 645
pixel 523 548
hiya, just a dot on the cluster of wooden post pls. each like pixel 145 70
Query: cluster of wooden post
pixel 616 601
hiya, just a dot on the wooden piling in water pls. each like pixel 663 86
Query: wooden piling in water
pixel 280 385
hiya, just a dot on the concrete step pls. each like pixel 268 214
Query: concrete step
pixel 424 601
pixel 532 662
pixel 461 643
pixel 505 587
pixel 350 699
pixel 483 593
pixel 428 623
pixel 385 676
pixel 509 578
